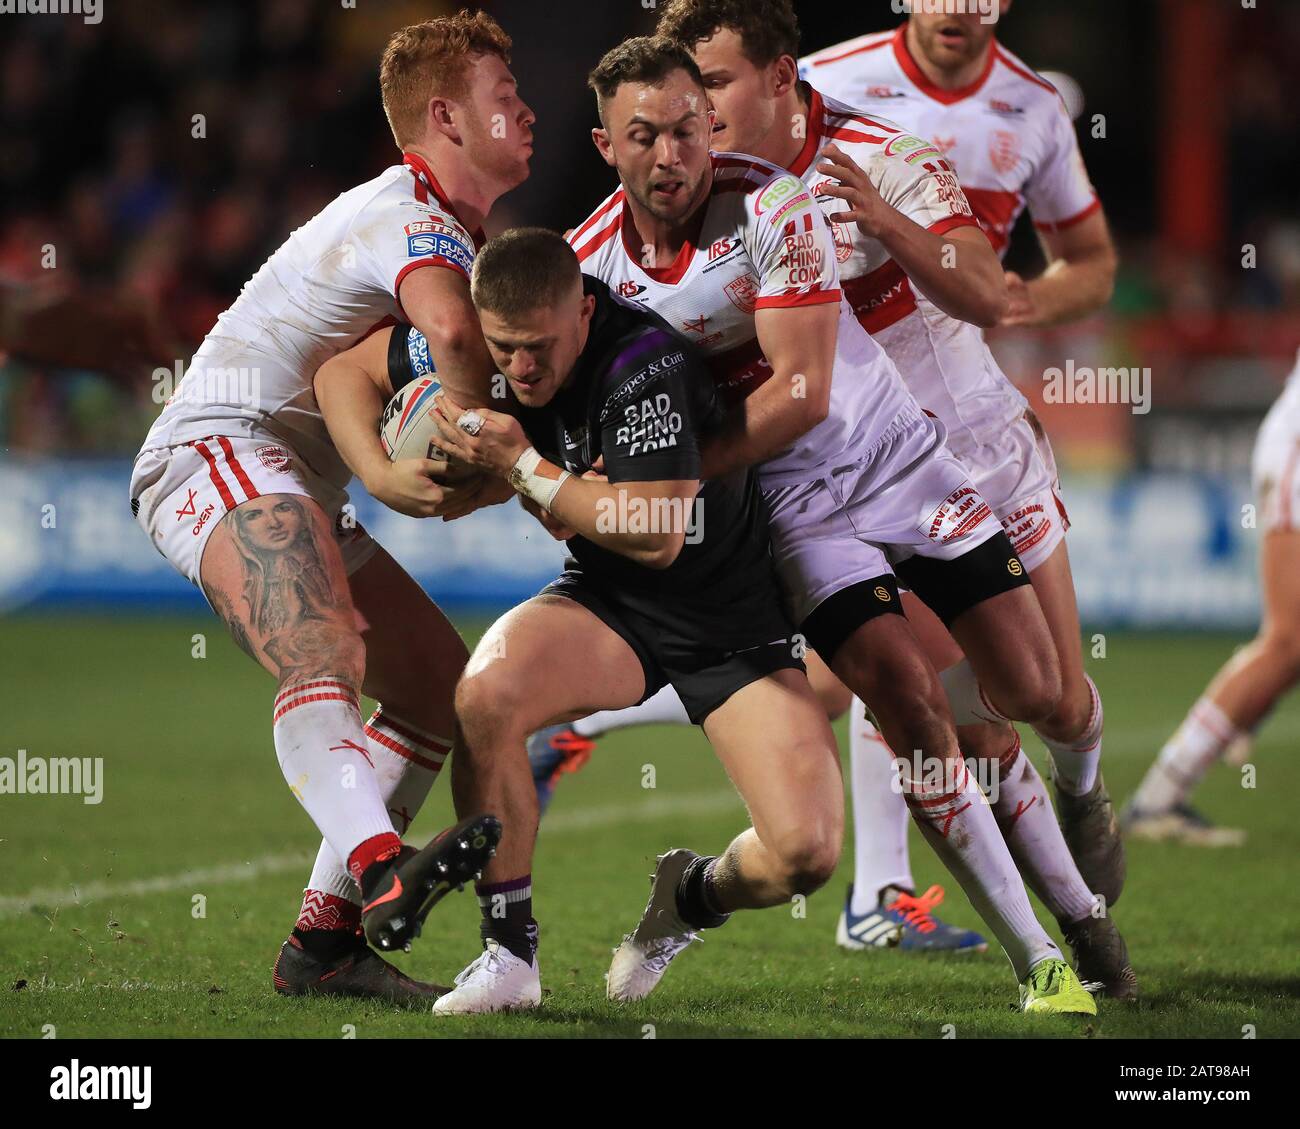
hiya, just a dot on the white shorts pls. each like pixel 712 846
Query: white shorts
pixel 1275 467
pixel 179 495
pixel 911 497
pixel 1018 478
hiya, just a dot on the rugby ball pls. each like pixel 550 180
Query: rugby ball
pixel 407 429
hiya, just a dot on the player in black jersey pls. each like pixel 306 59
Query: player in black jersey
pixel 670 580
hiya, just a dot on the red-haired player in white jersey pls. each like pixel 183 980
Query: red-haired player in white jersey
pixel 858 484
pixel 242 488
pixel 1007 134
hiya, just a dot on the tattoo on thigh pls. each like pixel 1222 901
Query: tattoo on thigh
pixel 238 632
pixel 291 604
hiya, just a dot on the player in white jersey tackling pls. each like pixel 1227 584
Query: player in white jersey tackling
pixel 856 478
pixel 1009 138
pixel 1245 691
pixel 241 488
pixel 905 215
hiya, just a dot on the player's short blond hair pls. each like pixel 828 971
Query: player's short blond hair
pixel 433 58
pixel 524 269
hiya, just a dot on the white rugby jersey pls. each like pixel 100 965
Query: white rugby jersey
pixel 327 285
pixel 945 363
pixel 762 243
pixel 1007 134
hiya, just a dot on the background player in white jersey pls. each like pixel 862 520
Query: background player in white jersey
pixel 241 488
pixel 854 494
pixel 1245 691
pixel 1008 135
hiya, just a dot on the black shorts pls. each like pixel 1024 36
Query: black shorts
pixel 703 676
pixel 948 588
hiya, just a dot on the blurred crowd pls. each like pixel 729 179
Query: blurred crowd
pixel 154 161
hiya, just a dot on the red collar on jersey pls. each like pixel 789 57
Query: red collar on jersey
pixel 426 182
pixel 917 76
pixel 812 146
pixel 672 274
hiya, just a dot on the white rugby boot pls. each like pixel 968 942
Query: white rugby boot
pixel 642 959
pixel 497 981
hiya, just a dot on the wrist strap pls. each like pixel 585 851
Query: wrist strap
pixel 540 487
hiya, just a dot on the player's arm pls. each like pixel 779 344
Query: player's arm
pixel 1079 279
pixel 437 302
pixel 952 262
pixel 799 344
pixel 792 251
pixel 352 389
pixel 591 507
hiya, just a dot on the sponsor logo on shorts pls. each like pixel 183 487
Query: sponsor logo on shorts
pixel 274 458
pixel 881 593
pixel 203 519
pixel 1027 527
pixel 1015 567
pixel 187 510
pixel 956 515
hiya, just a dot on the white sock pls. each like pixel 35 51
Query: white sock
pixel 1075 763
pixel 407 761
pixel 321 747
pixel 880 819
pixel 958 823
pixel 1202 739
pixel 965 696
pixel 1029 826
pixel 663 708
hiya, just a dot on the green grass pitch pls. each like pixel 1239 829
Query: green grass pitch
pixel 99 938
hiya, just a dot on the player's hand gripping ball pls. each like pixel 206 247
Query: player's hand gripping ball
pixel 408 431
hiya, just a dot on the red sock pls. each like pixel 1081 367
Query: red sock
pixel 328 912
pixel 378 848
